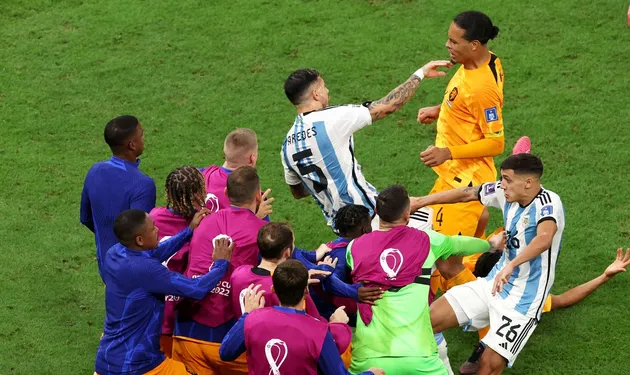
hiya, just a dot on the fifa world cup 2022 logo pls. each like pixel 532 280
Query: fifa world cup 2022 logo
pixel 391 262
pixel 276 352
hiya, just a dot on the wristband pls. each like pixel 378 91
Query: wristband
pixel 419 73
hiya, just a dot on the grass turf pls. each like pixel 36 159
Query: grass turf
pixel 193 70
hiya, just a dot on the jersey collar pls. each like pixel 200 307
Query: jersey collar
pixel 533 199
pixel 117 160
pixel 289 310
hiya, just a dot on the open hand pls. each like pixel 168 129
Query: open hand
pixel 264 208
pixel 321 251
pixel 430 70
pixel 328 261
pixel 194 223
pixel 254 298
pixel 315 275
pixel 370 295
pixel 222 249
pixel 502 278
pixel 619 265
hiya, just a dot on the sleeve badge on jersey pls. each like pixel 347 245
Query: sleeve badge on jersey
pixel 491 114
pixel 453 94
pixel 546 210
pixel 489 188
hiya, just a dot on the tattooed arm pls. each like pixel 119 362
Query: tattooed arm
pixel 466 194
pixel 401 94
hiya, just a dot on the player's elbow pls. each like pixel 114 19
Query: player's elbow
pixel 298 191
pixel 382 110
pixel 546 240
pixel 89 224
pixel 225 354
pixel 499 146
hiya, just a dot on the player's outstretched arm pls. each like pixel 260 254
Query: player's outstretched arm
pixel 466 194
pixel 580 292
pixel 444 246
pixel 157 279
pixel 393 101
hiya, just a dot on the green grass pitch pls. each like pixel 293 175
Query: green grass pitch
pixel 193 70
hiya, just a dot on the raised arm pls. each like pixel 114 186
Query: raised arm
pixel 444 246
pixel 170 246
pixel 159 280
pixel 393 101
pixel 466 194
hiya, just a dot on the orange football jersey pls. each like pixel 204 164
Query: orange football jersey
pixel 471 110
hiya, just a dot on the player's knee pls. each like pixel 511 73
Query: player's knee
pixel 442 315
pixel 491 363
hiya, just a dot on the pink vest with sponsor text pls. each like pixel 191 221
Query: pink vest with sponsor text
pixel 388 259
pixel 241 226
pixel 283 341
pixel 169 224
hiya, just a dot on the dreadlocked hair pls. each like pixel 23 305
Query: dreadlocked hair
pixel 349 218
pixel 185 190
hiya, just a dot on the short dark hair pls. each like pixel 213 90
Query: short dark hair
pixel 290 279
pixel 524 164
pixel 242 185
pixel 273 238
pixel 392 203
pixel 128 224
pixel 486 262
pixel 119 130
pixel 351 218
pixel 298 82
pixel 477 26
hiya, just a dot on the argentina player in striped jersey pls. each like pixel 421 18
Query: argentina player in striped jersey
pixel 511 298
pixel 318 152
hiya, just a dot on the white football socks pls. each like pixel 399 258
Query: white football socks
pixel 443 352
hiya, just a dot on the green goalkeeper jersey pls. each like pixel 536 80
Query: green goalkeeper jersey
pixel 401 322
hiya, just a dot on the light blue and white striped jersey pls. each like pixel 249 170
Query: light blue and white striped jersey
pixel 319 152
pixel 531 282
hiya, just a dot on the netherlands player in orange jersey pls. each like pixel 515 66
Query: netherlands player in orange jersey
pixel 469 131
